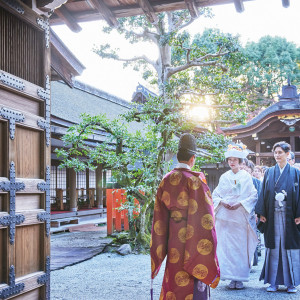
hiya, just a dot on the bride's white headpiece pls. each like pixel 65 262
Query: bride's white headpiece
pixel 236 150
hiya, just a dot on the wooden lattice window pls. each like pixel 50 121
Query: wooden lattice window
pixel 92 179
pixel 21 49
pixel 53 183
pixel 61 179
pixel 81 180
pixel 109 177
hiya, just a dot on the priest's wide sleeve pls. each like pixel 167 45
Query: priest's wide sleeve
pixel 159 234
pixel 200 258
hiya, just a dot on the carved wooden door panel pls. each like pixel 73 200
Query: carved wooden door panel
pixel 24 153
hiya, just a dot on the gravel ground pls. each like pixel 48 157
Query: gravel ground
pixel 114 277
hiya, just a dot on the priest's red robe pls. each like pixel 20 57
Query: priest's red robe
pixel 183 229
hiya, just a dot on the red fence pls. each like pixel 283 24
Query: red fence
pixel 115 217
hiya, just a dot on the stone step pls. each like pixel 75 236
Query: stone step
pixel 65 221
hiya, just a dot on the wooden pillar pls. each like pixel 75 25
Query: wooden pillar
pixel 73 198
pixel 56 177
pixel 60 199
pixel 257 150
pixel 87 187
pixel 67 181
pixel 292 143
pixel 99 187
pixel 104 187
pixel 87 180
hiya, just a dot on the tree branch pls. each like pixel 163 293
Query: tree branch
pixel 200 94
pixel 207 105
pixel 193 63
pixel 178 27
pixel 145 34
pixel 136 58
pixel 212 55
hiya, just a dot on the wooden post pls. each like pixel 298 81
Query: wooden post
pixel 292 143
pixel 56 177
pixel 99 188
pixel 87 179
pixel 73 198
pixel 104 187
pixel 257 150
pixel 60 198
pixel 87 187
pixel 91 198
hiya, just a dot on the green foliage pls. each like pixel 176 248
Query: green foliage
pixel 270 62
pixel 215 144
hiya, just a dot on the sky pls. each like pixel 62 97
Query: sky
pixel 260 18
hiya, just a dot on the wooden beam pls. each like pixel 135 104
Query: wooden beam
pixel 191 6
pixel 148 11
pixel 239 5
pixel 50 4
pixel 273 134
pixel 42 3
pixel 107 14
pixel 285 3
pixel 130 10
pixel 70 21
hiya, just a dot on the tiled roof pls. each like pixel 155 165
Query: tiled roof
pixel 289 101
pixel 277 107
pixel 69 103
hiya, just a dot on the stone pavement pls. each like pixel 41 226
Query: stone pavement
pixel 81 243
pixel 78 272
pixel 110 276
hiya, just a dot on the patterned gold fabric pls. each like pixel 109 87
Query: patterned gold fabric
pixel 183 231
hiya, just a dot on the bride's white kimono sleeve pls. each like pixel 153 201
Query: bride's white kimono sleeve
pixel 235 188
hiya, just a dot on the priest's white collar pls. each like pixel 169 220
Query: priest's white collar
pixel 183 166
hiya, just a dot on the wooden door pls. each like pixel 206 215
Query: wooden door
pixel 24 153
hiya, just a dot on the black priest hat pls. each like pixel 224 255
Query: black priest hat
pixel 187 143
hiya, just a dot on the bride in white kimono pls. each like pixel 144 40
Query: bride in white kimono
pixel 234 201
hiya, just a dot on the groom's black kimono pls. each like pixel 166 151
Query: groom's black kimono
pixel 290 182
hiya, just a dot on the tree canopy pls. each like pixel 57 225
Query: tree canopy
pixel 270 63
pixel 194 69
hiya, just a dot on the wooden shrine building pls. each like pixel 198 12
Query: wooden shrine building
pixel 77 192
pixel 27 66
pixel 279 122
